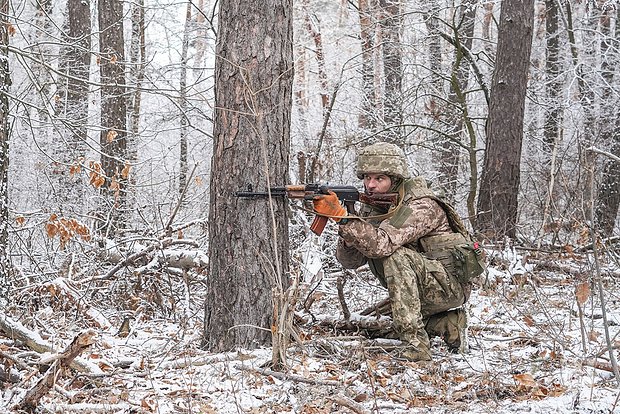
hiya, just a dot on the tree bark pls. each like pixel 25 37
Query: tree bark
pixel 113 137
pixel 367 117
pixel 72 106
pixel 391 26
pixel 608 196
pixel 497 201
pixel 248 239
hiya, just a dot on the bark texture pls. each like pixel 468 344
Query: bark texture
pixel 113 137
pixel 248 249
pixel 497 201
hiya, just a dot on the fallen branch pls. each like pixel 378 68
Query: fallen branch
pixel 350 404
pixel 289 377
pixel 383 307
pixel 16 331
pixel 88 408
pixel 371 328
pixel 75 348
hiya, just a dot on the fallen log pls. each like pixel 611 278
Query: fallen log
pixel 63 360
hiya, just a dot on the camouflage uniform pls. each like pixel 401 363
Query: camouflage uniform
pixel 422 292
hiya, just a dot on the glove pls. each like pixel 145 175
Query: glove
pixel 329 205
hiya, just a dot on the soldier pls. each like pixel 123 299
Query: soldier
pixel 419 250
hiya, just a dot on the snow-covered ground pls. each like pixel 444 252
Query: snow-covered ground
pixel 533 345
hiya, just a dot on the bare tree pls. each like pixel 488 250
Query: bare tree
pixel 608 197
pixel 391 26
pixel 72 103
pixel 367 118
pixel 457 112
pixel 113 137
pixel 497 201
pixel 5 82
pixel 248 241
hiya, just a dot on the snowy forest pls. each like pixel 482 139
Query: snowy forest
pixel 134 280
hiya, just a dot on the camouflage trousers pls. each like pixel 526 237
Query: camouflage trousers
pixel 421 292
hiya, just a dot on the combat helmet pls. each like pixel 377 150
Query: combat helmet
pixel 385 158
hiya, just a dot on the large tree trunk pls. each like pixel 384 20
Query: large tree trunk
pixel 248 239
pixel 113 137
pixel 5 82
pixel 497 201
pixel 72 105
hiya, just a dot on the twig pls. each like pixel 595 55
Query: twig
pixel 168 226
pixel 289 377
pixel 595 363
pixel 345 309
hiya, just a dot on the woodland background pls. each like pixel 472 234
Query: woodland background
pixel 117 171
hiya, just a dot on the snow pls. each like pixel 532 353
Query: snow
pixel 525 355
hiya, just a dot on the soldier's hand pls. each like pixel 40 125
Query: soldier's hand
pixel 328 205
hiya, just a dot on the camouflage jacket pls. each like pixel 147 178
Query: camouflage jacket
pixel 418 216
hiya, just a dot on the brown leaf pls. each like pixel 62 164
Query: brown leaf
pixel 525 380
pixel 20 220
pixel 111 135
pixel 10 29
pixel 582 292
pixel 125 172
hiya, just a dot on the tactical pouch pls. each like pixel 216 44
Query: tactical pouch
pixel 468 259
pixel 461 258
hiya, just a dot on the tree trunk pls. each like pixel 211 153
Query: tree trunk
pixel 183 104
pixel 72 105
pixel 554 84
pixel 5 82
pixel 391 25
pixel 113 137
pixel 497 201
pixel 367 117
pixel 608 196
pixel 248 239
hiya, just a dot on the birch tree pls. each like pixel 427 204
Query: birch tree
pixel 5 82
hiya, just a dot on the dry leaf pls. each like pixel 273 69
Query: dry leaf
pixel 525 380
pixel 20 220
pixel 582 292
pixel 111 135
pixel 10 29
pixel 113 59
pixel 125 172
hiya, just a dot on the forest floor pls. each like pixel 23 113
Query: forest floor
pixel 537 343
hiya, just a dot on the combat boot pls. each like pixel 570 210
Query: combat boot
pixel 416 347
pixel 451 326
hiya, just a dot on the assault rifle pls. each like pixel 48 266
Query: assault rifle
pixel 345 193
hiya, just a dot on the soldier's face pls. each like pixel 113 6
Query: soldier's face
pixel 377 183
